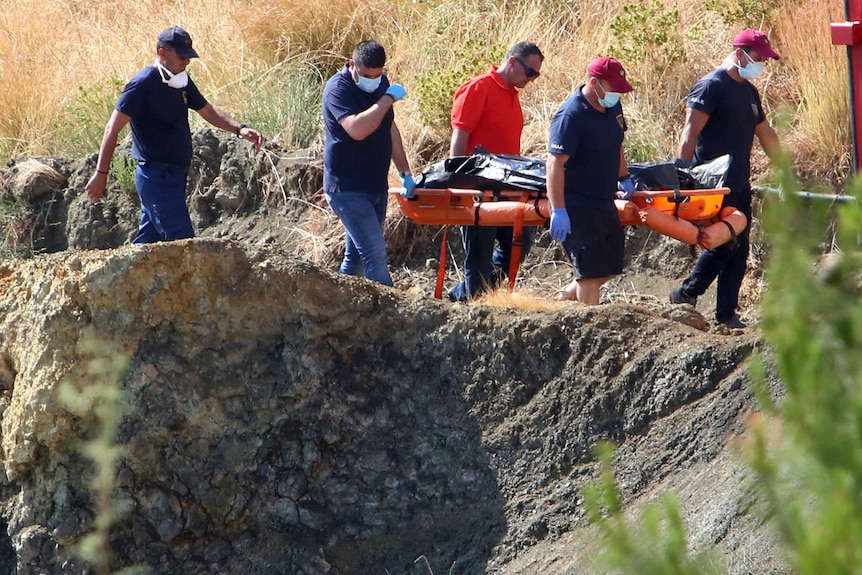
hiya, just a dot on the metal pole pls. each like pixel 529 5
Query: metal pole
pixel 832 198
pixel 849 34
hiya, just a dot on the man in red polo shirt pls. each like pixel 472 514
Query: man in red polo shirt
pixel 486 112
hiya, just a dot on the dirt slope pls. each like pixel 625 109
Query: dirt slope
pixel 530 392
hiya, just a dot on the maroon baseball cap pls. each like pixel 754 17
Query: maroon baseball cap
pixel 756 40
pixel 611 71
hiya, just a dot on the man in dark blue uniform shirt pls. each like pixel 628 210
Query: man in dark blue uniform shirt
pixel 586 166
pixel 723 115
pixel 156 103
pixel 362 138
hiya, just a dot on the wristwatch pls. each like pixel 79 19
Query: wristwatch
pixel 239 129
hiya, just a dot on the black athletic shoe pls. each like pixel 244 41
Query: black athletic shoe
pixel 733 322
pixel 679 296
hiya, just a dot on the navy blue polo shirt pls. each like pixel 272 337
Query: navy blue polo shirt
pixel 592 140
pixel 354 165
pixel 734 110
pixel 160 117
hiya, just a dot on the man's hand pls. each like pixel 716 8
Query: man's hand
pixel 409 185
pixel 627 187
pixel 96 186
pixel 685 164
pixel 252 136
pixel 397 91
pixel 561 225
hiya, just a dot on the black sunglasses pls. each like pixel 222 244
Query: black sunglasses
pixel 531 72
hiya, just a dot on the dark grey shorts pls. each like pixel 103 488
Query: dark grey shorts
pixel 596 245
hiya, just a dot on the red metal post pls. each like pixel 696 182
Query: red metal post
pixel 849 34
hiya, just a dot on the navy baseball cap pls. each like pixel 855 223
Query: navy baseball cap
pixel 178 39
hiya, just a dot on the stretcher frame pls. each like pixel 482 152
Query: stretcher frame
pixel 677 213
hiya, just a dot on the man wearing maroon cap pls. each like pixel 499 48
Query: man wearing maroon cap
pixel 585 168
pixel 723 116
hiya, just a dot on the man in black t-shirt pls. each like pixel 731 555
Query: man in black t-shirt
pixel 723 116
pixel 156 102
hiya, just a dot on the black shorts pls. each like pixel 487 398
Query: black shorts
pixel 597 243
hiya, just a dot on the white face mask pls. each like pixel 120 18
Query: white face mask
pixel 177 81
pixel 751 70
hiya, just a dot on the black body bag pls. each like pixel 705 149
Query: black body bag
pixel 666 176
pixel 484 171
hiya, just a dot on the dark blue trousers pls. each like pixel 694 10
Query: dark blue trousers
pixel 164 214
pixel 485 266
pixel 727 263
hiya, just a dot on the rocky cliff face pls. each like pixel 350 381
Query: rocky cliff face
pixel 284 420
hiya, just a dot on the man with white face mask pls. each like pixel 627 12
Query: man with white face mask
pixel 723 116
pixel 156 102
pixel 362 139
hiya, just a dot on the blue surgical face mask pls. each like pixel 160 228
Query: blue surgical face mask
pixel 751 70
pixel 610 99
pixel 368 84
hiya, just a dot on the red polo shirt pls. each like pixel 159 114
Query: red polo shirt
pixel 490 111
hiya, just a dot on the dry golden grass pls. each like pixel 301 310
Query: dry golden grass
pixel 53 47
pixel 522 300
pixel 819 106
pixel 280 29
pixel 30 171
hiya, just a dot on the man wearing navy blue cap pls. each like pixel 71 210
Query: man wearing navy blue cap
pixel 723 116
pixel 156 102
pixel 586 166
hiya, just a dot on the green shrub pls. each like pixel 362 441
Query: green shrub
pixel 437 86
pixel 656 546
pixel 747 13
pixel 123 171
pixel 805 449
pixel 649 41
pixel 286 104
pixel 101 402
pixel 646 32
pixel 808 453
pixel 78 130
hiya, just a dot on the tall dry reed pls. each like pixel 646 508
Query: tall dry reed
pixel 56 54
pixel 816 92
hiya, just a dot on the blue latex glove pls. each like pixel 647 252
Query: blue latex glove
pixel 409 185
pixel 627 186
pixel 397 91
pixel 680 163
pixel 561 225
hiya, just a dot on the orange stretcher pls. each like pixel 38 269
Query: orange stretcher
pixel 691 216
pixel 461 207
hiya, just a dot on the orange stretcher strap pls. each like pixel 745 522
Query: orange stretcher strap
pixel 517 242
pixel 441 269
